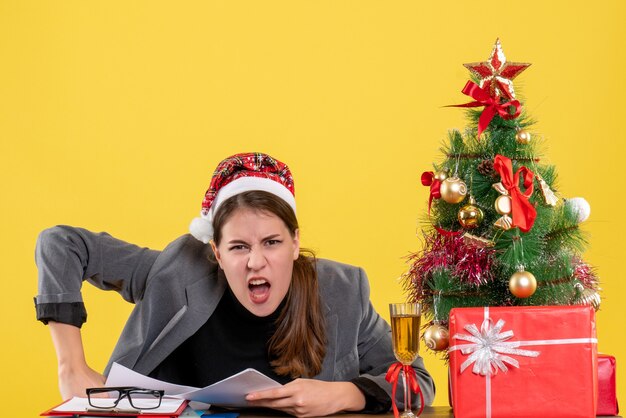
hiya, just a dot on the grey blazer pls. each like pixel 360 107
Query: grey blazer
pixel 176 290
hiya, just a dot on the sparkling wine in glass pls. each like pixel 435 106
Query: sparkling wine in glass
pixel 405 326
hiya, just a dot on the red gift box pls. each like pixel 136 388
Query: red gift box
pixel 607 398
pixel 521 362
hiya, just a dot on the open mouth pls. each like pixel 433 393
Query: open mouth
pixel 259 290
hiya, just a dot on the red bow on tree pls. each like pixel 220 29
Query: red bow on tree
pixel 428 179
pixel 492 105
pixel 522 211
pixel 410 379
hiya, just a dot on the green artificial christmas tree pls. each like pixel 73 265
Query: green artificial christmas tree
pixel 497 231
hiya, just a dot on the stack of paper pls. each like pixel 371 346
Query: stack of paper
pixel 230 392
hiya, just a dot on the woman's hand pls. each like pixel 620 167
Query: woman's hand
pixel 74 381
pixel 309 398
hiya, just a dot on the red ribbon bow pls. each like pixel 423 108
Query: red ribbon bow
pixel 428 179
pixel 393 375
pixel 492 105
pixel 522 211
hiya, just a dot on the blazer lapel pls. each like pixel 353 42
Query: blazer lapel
pixel 202 298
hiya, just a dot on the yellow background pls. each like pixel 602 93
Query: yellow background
pixel 113 115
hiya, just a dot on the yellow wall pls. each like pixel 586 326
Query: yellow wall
pixel 113 115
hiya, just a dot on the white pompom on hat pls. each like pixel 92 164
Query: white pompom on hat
pixel 237 174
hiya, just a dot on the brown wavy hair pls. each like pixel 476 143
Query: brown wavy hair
pixel 298 346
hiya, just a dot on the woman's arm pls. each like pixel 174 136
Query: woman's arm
pixel 65 257
pixel 74 374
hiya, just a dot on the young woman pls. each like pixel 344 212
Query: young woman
pixel 238 292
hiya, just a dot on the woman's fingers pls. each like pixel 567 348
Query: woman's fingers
pixel 270 394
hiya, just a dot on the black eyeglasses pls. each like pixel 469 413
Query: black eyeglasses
pixel 138 398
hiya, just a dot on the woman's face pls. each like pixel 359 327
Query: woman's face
pixel 257 253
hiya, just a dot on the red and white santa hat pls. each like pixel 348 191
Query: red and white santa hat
pixel 237 174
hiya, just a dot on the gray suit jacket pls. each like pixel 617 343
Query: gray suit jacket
pixel 176 290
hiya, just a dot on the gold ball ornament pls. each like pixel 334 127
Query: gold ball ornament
pixel 523 137
pixel 470 216
pixel 587 296
pixel 436 337
pixel 592 298
pixel 522 284
pixel 453 190
pixel 441 175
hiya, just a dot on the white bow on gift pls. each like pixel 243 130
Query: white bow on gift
pixel 488 348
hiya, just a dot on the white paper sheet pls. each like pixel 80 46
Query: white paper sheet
pixel 232 390
pixel 228 392
pixel 123 376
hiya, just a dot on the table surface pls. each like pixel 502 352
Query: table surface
pixel 429 412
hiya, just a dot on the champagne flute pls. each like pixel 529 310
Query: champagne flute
pixel 405 326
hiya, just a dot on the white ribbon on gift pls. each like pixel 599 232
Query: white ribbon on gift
pixel 488 347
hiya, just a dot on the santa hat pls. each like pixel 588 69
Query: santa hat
pixel 237 174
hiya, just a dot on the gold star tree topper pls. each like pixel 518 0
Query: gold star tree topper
pixel 496 74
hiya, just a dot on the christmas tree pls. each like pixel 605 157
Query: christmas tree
pixel 497 232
